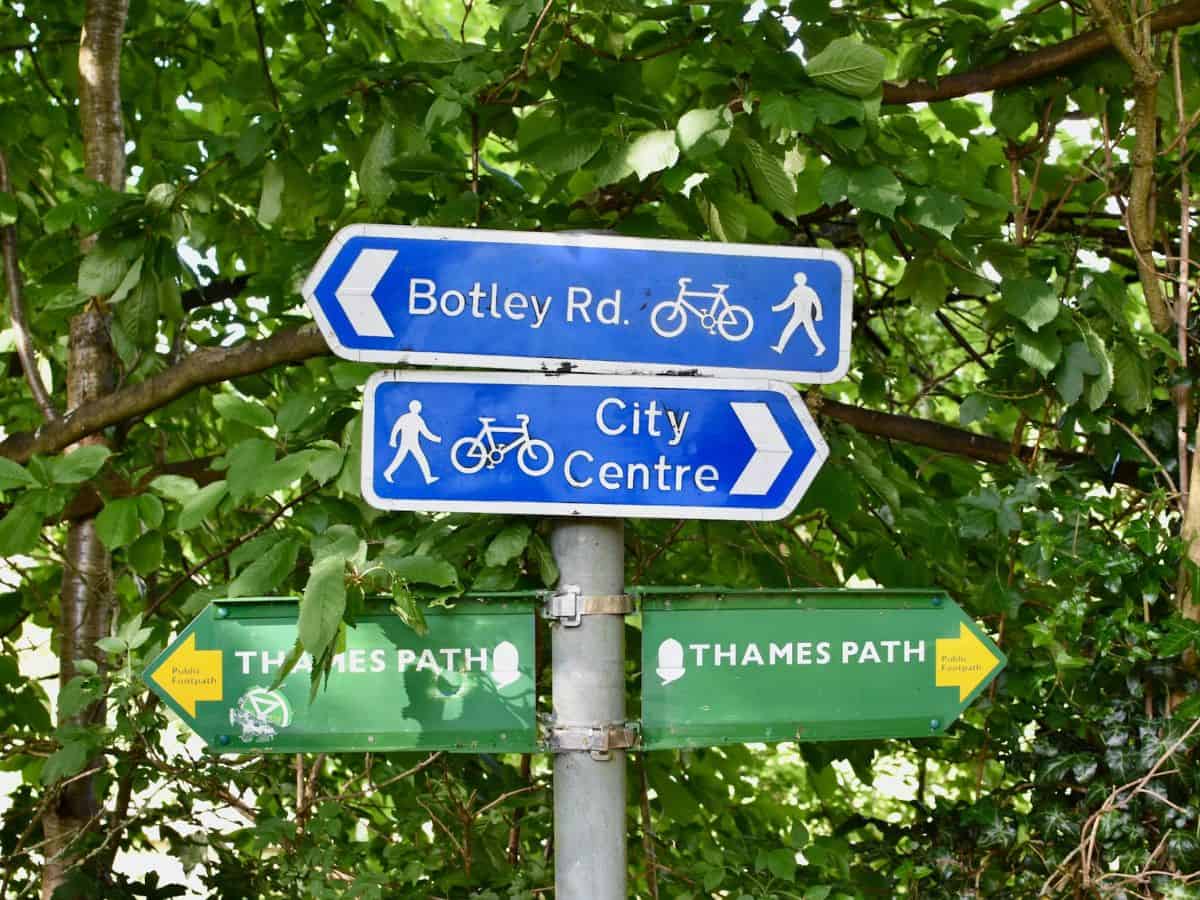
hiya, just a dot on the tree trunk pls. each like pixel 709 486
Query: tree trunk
pixel 87 595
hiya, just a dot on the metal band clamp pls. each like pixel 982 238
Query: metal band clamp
pixel 599 740
pixel 569 605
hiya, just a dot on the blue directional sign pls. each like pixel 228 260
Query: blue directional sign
pixel 565 302
pixel 586 445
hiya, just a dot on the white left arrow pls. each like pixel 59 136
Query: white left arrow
pixel 771 449
pixel 356 293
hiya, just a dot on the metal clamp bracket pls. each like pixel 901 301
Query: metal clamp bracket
pixel 599 740
pixel 569 605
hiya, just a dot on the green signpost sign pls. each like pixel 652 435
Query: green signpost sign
pixel 808 666
pixel 467 685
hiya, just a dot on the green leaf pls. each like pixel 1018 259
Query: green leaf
pixel 79 465
pixel 146 553
pixel 1013 112
pixel 773 186
pixel 547 567
pixel 788 114
pixel 268 571
pixel 129 282
pixel 425 570
pixel 197 507
pixel 8 210
pixel 66 761
pixel 702 132
pixel 652 152
pixel 14 476
pixel 322 605
pixel 495 579
pixel 286 471
pixel 327 461
pixel 442 111
pixel 240 409
pixel 112 645
pixel 117 524
pixel 174 487
pixel 79 693
pixel 974 408
pixel 1132 382
pixel 1033 301
pixel 1076 363
pixel 782 863
pixel 937 210
pixel 849 67
pixel 138 312
pixel 1098 388
pixel 875 189
pixel 150 509
pixel 405 605
pixel 21 528
pixel 565 151
pixel 925 283
pixel 270 202
pixel 507 545
pixel 1040 349
pixel 376 182
pixel 102 270
pixel 247 462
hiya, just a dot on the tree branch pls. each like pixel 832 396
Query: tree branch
pixel 207 366
pixel 955 441
pixel 16 307
pixel 1027 67
pixel 214 292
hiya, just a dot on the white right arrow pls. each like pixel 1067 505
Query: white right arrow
pixel 356 293
pixel 771 449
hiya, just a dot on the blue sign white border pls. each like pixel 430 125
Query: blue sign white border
pixel 606 510
pixel 559 365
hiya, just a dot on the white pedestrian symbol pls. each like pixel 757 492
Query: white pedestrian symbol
pixel 409 429
pixel 806 309
pixel 472 453
pixel 670 317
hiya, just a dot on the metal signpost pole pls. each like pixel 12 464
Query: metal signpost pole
pixel 589 694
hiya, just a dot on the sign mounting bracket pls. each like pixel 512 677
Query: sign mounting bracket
pixel 568 605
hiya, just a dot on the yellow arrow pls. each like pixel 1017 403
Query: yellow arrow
pixel 964 662
pixel 189 675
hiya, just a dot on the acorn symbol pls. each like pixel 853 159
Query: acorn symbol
pixel 506 664
pixel 670 661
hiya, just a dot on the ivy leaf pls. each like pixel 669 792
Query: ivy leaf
pixel 507 545
pixel 425 570
pixel 849 67
pixel 268 571
pixel 702 132
pixel 197 507
pixel 652 152
pixel 79 465
pixel 1039 349
pixel 1031 300
pixel 117 524
pixel 322 605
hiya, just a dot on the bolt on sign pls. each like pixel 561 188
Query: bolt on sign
pixel 467 685
pixel 807 666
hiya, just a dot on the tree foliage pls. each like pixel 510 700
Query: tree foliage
pixel 1012 184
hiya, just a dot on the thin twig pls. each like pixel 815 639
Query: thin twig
pixel 262 55
pixel 16 307
pixel 226 550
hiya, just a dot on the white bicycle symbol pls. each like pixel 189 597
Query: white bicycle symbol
pixel 470 454
pixel 670 317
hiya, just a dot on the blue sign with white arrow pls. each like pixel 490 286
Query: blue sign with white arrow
pixel 568 302
pixel 585 445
